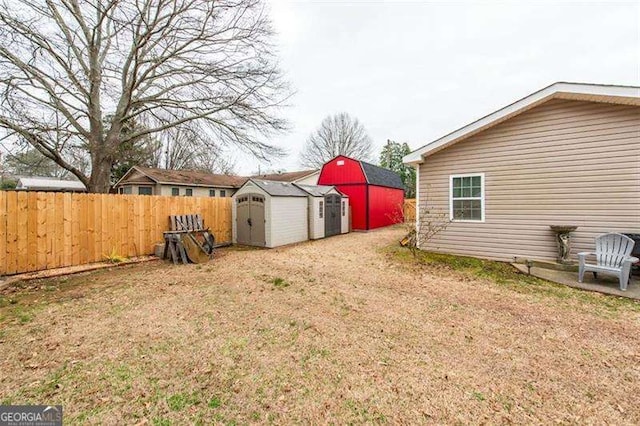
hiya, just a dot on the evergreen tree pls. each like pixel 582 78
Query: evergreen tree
pixel 391 158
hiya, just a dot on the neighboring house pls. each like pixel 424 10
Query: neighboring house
pixel 568 154
pixel 376 195
pixel 149 181
pixel 49 185
pixel 303 177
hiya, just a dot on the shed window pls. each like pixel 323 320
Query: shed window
pixel 188 192
pixel 321 210
pixel 212 193
pixel 175 192
pixel 344 208
pixel 467 198
pixel 223 193
pixel 145 190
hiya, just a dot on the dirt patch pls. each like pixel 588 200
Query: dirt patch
pixel 339 330
pixel 18 280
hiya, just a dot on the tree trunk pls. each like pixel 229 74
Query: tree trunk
pixel 100 180
pixel 103 155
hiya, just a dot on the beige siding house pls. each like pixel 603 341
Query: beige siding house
pixel 149 181
pixel 568 154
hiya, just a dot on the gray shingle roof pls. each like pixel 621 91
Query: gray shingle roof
pixel 191 177
pixel 286 176
pixel 315 190
pixel 279 189
pixel 378 176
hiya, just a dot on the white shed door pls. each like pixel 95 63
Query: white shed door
pixel 250 219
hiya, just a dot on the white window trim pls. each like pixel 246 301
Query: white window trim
pixel 482 211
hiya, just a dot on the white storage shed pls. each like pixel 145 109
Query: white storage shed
pixel 271 214
pixel 328 211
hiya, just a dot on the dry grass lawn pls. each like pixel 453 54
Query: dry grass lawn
pixel 344 330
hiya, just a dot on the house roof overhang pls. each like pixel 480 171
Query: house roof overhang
pixel 161 181
pixel 128 172
pixel 625 95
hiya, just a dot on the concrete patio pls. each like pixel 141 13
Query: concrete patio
pixel 603 284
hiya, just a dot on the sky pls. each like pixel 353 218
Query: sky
pixel 414 71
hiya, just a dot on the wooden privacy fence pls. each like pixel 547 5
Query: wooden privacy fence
pixel 409 209
pixel 43 230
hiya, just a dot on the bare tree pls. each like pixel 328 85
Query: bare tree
pixel 430 222
pixel 338 134
pixel 422 223
pixel 66 65
pixel 186 147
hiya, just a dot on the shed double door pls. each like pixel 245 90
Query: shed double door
pixel 332 217
pixel 250 220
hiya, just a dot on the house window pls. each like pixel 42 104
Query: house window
pixel 320 212
pixel 145 190
pixel 467 198
pixel 223 193
pixel 344 208
pixel 175 192
pixel 212 193
pixel 188 192
pixel 125 190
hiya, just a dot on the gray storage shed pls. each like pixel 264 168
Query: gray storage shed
pixel 271 214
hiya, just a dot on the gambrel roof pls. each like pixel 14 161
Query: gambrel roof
pixel 377 175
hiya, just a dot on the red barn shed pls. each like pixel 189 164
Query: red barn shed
pixel 375 194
